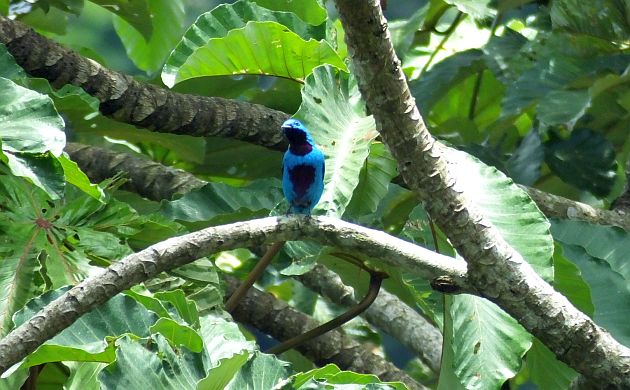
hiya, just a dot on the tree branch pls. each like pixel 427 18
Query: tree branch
pixel 387 313
pixel 278 319
pixel 178 251
pixel 148 106
pixel 495 268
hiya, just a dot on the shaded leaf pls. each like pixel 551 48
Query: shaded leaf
pixel 605 19
pixel 524 164
pixel 377 172
pixel 586 160
pixel 151 364
pixel 311 11
pixel 149 55
pixel 476 8
pixel 85 339
pixel 545 370
pixel 136 13
pixel 83 375
pixel 261 372
pixel 216 201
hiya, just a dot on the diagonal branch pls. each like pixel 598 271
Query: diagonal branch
pixel 495 268
pixel 264 312
pixel 178 251
pixel 144 105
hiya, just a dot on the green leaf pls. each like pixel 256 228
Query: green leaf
pixel 311 11
pixel 83 375
pixel 4 10
pixel 545 370
pixel 378 170
pixel 227 351
pixel 76 177
pixel 488 344
pixel 68 237
pixel 85 339
pixel 605 19
pixel 136 13
pixel 261 372
pixel 259 48
pixel 330 377
pixel 478 9
pixel 29 122
pixel 151 364
pixel 43 170
pixel 334 113
pixel 178 334
pixel 524 164
pixel 216 201
pixel 223 19
pixel 8 68
pixel 569 281
pixel 150 55
pixel 597 252
pixel 585 160
pixel 507 207
pixel 185 307
pixel 608 243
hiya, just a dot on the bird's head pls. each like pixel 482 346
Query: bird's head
pixel 296 132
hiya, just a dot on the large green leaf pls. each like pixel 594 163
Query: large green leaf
pixel 83 375
pixel 216 202
pixel 378 170
pixel 608 243
pixel 85 339
pixel 227 351
pixel 8 68
pixel 152 364
pixel 600 254
pixel 49 244
pixel 545 370
pixel 476 8
pixel 586 160
pixel 334 113
pixel 32 137
pixel 488 344
pixel 261 372
pixel 507 207
pixel 220 21
pixel 149 55
pixel 311 11
pixel 29 122
pixel 178 335
pixel 136 13
pixel 330 377
pixel 605 19
pixel 259 48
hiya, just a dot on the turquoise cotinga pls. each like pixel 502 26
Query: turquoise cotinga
pixel 302 169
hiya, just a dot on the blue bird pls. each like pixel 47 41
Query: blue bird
pixel 302 169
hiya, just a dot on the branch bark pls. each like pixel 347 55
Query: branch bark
pixel 276 318
pixel 145 105
pixel 178 251
pixel 387 313
pixel 495 268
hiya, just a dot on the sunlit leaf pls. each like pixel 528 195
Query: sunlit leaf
pixel 311 11
pixel 258 48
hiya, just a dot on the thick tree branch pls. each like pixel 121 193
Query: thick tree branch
pixel 495 268
pixel 127 100
pixel 555 206
pixel 278 319
pixel 178 251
